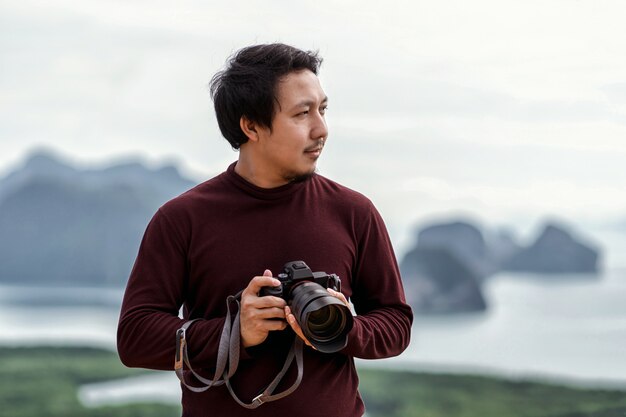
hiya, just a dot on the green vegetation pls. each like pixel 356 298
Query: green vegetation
pixel 40 381
pixel 36 382
pixel 408 394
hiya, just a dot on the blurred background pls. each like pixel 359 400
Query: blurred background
pixel 489 134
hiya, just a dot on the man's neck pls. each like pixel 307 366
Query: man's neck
pixel 256 175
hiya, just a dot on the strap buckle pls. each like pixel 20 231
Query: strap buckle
pixel 258 400
pixel 180 347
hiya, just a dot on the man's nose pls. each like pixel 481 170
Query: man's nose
pixel 320 128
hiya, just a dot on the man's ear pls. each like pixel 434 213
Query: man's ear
pixel 249 128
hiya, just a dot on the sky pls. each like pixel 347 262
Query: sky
pixel 505 112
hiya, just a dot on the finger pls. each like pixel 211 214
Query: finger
pixel 291 320
pixel 251 303
pixel 269 313
pixel 293 323
pixel 267 302
pixel 275 324
pixel 259 282
pixel 338 295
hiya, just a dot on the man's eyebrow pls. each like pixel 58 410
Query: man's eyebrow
pixel 309 103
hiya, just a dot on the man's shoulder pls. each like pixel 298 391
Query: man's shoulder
pixel 343 194
pixel 195 197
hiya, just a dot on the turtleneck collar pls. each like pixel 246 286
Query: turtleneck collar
pixel 262 193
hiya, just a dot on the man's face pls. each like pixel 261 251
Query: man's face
pixel 290 150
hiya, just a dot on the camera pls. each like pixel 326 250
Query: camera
pixel 325 320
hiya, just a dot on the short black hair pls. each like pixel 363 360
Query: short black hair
pixel 247 85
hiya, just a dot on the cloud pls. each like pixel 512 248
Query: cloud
pixel 493 94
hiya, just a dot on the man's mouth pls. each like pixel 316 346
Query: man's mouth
pixel 315 150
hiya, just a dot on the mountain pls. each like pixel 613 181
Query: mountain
pixel 468 244
pixel 444 271
pixel 61 225
pixel 555 251
pixel 437 282
pixel 46 164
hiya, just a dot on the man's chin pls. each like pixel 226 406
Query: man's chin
pixel 300 177
pixel 303 177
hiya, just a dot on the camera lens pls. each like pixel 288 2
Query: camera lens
pixel 325 321
pixel 321 319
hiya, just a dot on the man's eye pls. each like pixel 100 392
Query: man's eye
pixel 323 110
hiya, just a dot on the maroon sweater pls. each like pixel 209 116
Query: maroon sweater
pixel 209 242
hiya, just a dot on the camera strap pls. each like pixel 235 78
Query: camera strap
pixel 228 352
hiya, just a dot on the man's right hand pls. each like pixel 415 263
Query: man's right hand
pixel 260 315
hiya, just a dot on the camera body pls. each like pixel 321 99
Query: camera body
pixel 324 319
pixel 295 273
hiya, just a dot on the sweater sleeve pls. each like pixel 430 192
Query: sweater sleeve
pixel 154 294
pixel 382 327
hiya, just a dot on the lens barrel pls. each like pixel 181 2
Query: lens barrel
pixel 325 320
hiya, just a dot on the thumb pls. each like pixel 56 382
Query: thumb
pixel 267 273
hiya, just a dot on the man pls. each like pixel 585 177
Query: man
pixel 236 230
